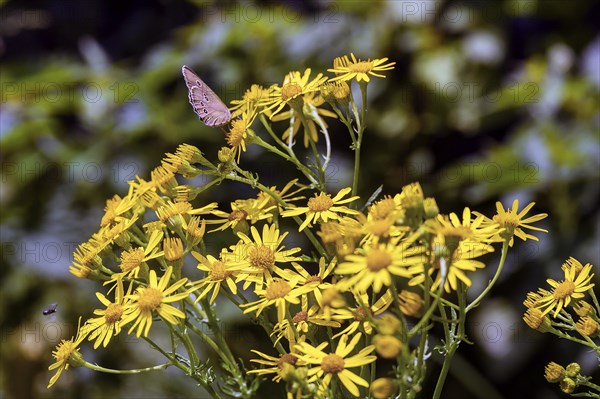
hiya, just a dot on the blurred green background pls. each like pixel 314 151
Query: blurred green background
pixel 489 100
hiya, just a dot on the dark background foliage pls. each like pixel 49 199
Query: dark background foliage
pixel 489 100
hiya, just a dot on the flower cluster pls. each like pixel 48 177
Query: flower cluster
pixel 331 305
pixel 570 310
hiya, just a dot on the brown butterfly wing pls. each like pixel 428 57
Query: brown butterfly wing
pixel 207 105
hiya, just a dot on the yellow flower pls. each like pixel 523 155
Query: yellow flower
pixel 133 259
pixel 574 286
pixel 383 388
pixel 284 194
pixel 219 272
pixel 554 372
pixel 471 229
pixel 387 346
pixel 302 320
pixel 261 255
pixel 449 262
pixel 337 364
pixel 323 207
pixel 411 303
pixel 254 99
pixel 86 259
pixel 358 69
pixel 67 353
pixel 295 86
pixel 587 327
pixel 374 265
pixel 514 221
pixel 311 112
pixel 239 133
pixel 242 211
pixel 361 315
pixel 109 324
pixel 276 364
pixel 316 281
pixel 116 207
pixel 279 293
pixel 155 298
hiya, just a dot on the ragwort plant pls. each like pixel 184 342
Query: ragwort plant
pixel 565 310
pixel 378 273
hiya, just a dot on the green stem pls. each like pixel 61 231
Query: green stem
pixel 101 369
pixel 455 340
pixel 290 157
pixel 494 279
pixel 358 143
pixel 590 385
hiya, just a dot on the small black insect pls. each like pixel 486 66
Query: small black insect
pixel 50 310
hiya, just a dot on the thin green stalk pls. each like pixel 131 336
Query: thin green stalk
pixel 455 340
pixel 494 279
pixel 101 369
pixel 358 142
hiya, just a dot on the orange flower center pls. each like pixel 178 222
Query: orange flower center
pixel 332 363
pixel 219 271
pixel 113 313
pixel 320 203
pixel 131 259
pixel 312 279
pixel 287 358
pixel 277 289
pixel 238 215
pixel 290 90
pixel 360 314
pixel 149 299
pixel 383 208
pixel 378 259
pixel 261 256
pixel 564 289
pixel 300 316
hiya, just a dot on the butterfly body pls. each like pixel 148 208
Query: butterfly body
pixel 207 105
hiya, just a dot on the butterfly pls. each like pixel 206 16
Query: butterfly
pixel 50 310
pixel 207 105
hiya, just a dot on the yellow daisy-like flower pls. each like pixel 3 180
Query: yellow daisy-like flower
pixel 67 353
pixel 311 113
pixel 316 281
pixel 155 298
pixel 574 286
pixel 254 99
pixel 358 69
pixel 238 134
pixel 277 365
pixel 279 293
pixel 133 260
pixel 219 272
pixel 323 207
pixel 452 265
pixel 109 324
pixel 261 255
pixel 242 211
pixel 301 321
pixel 286 194
pixel 514 222
pixel 471 229
pixel 374 265
pixel 295 86
pixel 86 259
pixel 362 314
pixel 337 364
